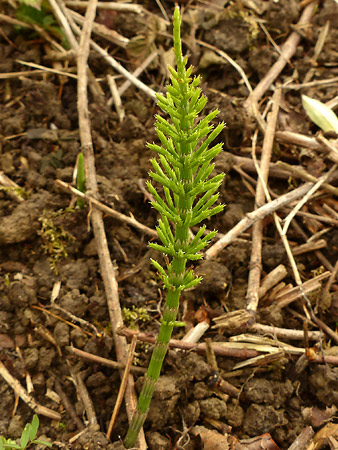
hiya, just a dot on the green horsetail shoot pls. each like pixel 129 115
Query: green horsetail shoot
pixel 184 169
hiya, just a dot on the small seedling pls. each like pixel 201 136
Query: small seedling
pixel 320 114
pixel 80 180
pixel 189 196
pixel 27 437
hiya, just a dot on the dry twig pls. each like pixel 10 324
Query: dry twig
pixel 116 97
pixel 23 394
pixel 284 333
pixel 257 230
pixel 288 50
pixel 303 439
pixel 68 405
pixel 103 361
pixel 44 69
pixel 107 269
pixel 122 386
pixel 107 210
pixel 258 214
pixel 115 6
pixel 300 172
pixel 221 349
pixel 271 279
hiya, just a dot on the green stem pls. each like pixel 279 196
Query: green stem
pixel 155 365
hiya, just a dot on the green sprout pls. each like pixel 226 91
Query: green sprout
pixel 189 196
pixel 27 437
pixel 80 179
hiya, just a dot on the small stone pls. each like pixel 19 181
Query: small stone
pixel 192 412
pixel 74 302
pixel 213 408
pixel 97 379
pixel 46 356
pixel 78 338
pixel 201 390
pixel 61 334
pixel 262 419
pixel 157 442
pixel 234 415
pixel 15 427
pixel 31 357
pixel 259 390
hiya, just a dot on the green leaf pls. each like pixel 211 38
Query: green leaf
pixel 25 435
pixel 158 267
pixel 34 427
pixel 163 237
pixel 193 256
pixel 209 139
pixel 193 283
pixel 164 126
pixel 202 243
pixel 81 179
pixel 203 173
pixel 171 174
pixel 161 248
pixel 12 445
pixel 320 114
pixel 206 214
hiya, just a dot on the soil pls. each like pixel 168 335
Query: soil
pixel 46 242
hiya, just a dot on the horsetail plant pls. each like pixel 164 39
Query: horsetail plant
pixel 189 195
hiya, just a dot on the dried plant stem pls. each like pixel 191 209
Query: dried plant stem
pixel 271 279
pixel 303 440
pixel 119 68
pixel 116 98
pixel 127 7
pixel 284 333
pixel 304 175
pixel 283 233
pixel 102 31
pixel 218 348
pixel 306 198
pixel 107 269
pixel 122 386
pixel 230 61
pixel 23 394
pixel 257 230
pixel 107 210
pixel 331 279
pixel 103 361
pixel 68 404
pixel 140 68
pixel 85 398
pixel 288 50
pixel 65 24
pixel 253 216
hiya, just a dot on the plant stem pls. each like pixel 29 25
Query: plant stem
pixel 153 372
